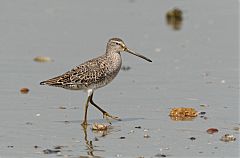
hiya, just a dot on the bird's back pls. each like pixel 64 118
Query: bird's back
pixel 92 74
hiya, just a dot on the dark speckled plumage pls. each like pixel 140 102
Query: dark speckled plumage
pixel 92 74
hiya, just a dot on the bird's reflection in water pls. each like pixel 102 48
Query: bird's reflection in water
pixel 90 148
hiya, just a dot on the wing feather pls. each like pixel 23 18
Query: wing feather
pixel 87 73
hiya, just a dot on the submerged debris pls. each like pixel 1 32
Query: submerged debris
pixel 146 136
pixel 99 127
pixel 24 90
pixel 192 138
pixel 160 155
pixel 204 117
pixel 29 123
pixel 174 18
pixel 228 138
pixel 204 105
pixel 36 146
pixel 42 59
pixel 62 107
pixel 236 128
pixel 183 114
pixel 212 130
pixel 202 113
pixel 66 122
pixel 96 139
pixel 50 151
pixel 59 147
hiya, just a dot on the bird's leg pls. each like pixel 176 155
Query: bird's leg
pixel 106 115
pixel 84 124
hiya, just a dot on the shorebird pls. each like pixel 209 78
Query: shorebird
pixel 94 74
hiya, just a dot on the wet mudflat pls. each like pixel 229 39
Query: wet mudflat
pixel 195 65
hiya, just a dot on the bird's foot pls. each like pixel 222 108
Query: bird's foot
pixel 107 116
pixel 84 124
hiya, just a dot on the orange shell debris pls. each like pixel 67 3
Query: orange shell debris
pixel 183 114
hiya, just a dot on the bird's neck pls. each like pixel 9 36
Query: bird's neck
pixel 114 56
pixel 115 61
pixel 110 50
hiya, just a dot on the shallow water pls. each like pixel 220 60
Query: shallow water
pixel 197 64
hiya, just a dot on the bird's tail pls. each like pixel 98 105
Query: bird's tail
pixel 43 83
pixel 56 81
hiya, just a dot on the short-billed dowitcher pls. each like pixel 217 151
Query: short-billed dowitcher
pixel 94 74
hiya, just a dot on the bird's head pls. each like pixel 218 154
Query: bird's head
pixel 116 45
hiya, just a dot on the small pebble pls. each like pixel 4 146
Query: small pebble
pixel 202 113
pixel 174 18
pixel 204 117
pixel 192 138
pixel 146 136
pixel 212 130
pixel 38 115
pixel 42 59
pixel 96 139
pixel 66 122
pixel 228 138
pixel 24 90
pixel 35 146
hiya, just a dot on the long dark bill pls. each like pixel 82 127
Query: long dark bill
pixel 139 55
